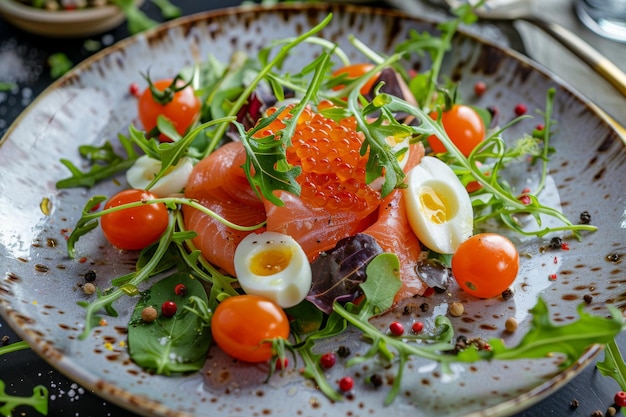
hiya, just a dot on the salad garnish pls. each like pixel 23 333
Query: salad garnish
pixel 242 102
pixel 38 400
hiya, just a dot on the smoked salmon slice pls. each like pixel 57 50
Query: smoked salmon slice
pixel 393 233
pixel 219 183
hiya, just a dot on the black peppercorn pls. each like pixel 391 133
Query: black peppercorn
pixel 585 217
pixel 90 276
pixel 507 294
pixel 376 380
pixel 343 351
pixel 556 242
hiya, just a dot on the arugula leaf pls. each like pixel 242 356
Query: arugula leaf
pixel 104 164
pixel 168 10
pixel 544 338
pixel 613 364
pixel 136 20
pixel 5 86
pixel 170 344
pixel 39 399
pixel 170 153
pixel 59 64
pixel 271 169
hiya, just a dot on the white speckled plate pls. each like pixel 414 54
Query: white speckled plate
pixel 39 284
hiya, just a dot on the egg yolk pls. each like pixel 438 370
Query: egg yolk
pixel 435 204
pixel 271 261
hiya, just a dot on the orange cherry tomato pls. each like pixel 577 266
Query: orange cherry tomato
pixel 355 71
pixel 485 265
pixel 463 125
pixel 136 227
pixel 241 326
pixel 182 110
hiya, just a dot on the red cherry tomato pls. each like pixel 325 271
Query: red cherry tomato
pixel 182 110
pixel 463 125
pixel 485 265
pixel 355 71
pixel 137 227
pixel 241 326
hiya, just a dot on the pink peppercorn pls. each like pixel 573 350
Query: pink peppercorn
pixel 396 328
pixel 479 88
pixel 180 289
pixel 346 383
pixel 620 399
pixel 520 109
pixel 133 89
pixel 168 308
pixel 328 360
pixel 417 327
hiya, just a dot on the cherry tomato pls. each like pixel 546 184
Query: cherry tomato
pixel 355 71
pixel 485 265
pixel 136 227
pixel 182 110
pixel 242 324
pixel 463 125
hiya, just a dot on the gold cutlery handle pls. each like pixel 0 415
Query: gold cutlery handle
pixel 598 62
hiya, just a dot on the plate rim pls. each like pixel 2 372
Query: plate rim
pixel 125 398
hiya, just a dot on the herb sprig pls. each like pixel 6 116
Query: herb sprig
pixel 38 400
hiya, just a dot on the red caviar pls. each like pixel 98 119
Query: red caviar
pixel 333 171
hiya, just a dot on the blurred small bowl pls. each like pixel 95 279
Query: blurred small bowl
pixel 63 23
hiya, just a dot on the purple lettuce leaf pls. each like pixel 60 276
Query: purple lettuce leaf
pixel 337 273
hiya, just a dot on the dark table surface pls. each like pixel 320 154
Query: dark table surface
pixel 23 59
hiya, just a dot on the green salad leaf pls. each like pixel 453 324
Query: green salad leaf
pixel 613 364
pixel 174 344
pixel 104 163
pixel 545 338
pixel 38 400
